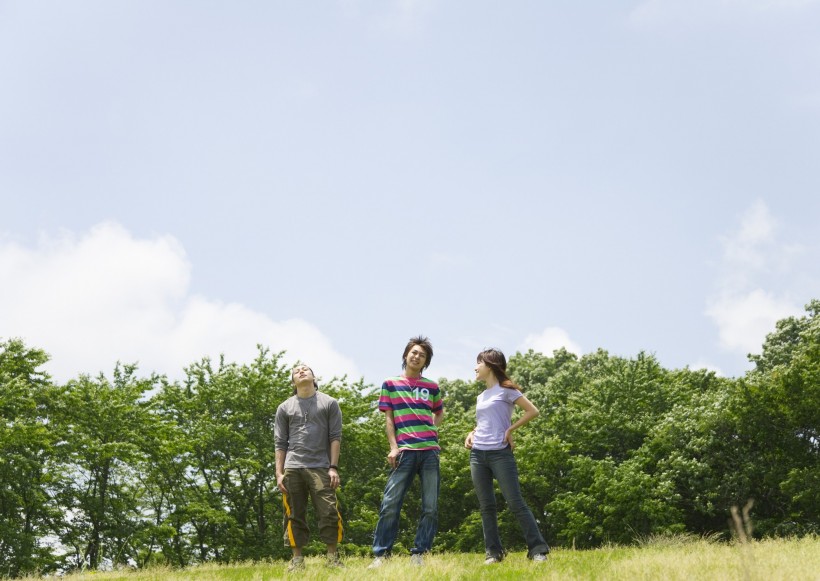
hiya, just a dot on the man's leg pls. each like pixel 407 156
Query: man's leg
pixel 295 502
pixel 326 506
pixel 430 475
pixel 397 484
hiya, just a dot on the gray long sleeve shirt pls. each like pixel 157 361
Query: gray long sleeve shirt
pixel 304 429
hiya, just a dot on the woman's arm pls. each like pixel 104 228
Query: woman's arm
pixel 530 412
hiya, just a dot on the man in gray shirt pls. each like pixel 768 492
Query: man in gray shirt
pixel 308 435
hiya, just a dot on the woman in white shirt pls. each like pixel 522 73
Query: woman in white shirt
pixel 491 456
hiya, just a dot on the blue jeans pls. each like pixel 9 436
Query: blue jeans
pixel 425 463
pixel 484 465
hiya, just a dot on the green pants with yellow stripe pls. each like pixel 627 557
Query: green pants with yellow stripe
pixel 314 484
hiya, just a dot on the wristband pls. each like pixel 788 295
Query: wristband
pixel 334 467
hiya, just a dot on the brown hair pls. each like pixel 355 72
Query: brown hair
pixel 422 342
pixel 495 360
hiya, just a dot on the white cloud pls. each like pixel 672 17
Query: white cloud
pixel 742 309
pixel 747 246
pixel 549 340
pixel 744 320
pixel 106 296
pixel 754 250
pixel 708 367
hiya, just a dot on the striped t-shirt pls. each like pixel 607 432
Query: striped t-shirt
pixel 413 403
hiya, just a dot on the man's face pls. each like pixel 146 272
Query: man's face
pixel 302 373
pixel 416 358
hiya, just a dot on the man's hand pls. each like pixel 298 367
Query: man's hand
pixel 280 478
pixel 335 480
pixel 393 457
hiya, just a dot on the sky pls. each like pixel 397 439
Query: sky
pixel 184 179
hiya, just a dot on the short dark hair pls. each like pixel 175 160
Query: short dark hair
pixel 422 342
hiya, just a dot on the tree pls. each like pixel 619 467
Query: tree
pixel 163 484
pixel 140 470
pixel 779 415
pixel 27 507
pixel 693 446
pixel 105 426
pixel 459 520
pixel 361 462
pixel 227 415
pixel 584 469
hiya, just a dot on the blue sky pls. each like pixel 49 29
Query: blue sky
pixel 182 179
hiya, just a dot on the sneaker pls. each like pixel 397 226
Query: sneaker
pixel 416 559
pixel 491 560
pixel 296 564
pixel 377 562
pixel 333 560
pixel 539 558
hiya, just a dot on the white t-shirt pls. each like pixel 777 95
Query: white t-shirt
pixel 493 412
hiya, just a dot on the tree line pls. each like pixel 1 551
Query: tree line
pixel 136 470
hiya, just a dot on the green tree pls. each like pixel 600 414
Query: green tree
pixel 778 416
pixel 163 482
pixel 27 508
pixel 580 458
pixel 105 426
pixel 230 502
pixel 141 470
pixel 459 520
pixel 692 446
pixel 361 462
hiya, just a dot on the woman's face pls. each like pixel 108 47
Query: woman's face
pixel 483 372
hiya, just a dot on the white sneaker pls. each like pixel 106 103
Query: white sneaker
pixel 416 559
pixel 296 564
pixel 333 560
pixel 377 562
pixel 539 558
pixel 491 560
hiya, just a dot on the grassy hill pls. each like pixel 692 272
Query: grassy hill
pixel 667 559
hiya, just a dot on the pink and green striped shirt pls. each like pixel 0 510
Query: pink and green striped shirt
pixel 413 402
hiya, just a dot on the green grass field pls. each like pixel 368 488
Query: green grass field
pixel 673 559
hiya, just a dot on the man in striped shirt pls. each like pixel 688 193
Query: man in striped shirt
pixel 413 412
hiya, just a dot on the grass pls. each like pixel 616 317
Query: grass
pixel 678 559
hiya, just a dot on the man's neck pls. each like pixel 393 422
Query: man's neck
pixel 305 391
pixel 412 373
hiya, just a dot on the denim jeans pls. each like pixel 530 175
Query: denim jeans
pixel 484 465
pixel 425 463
